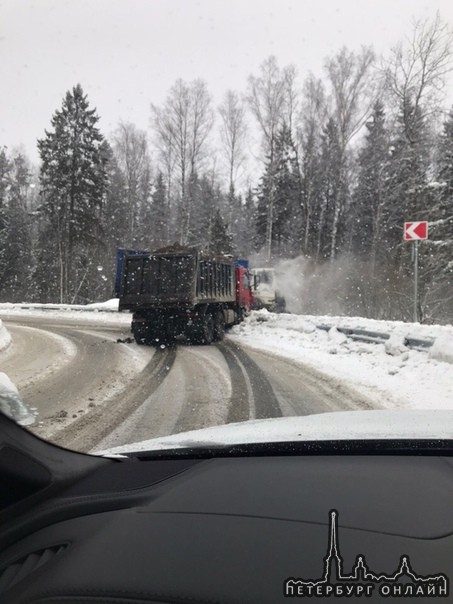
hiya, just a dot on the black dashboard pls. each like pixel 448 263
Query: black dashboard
pixel 252 529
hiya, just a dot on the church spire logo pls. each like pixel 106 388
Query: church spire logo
pixel 362 581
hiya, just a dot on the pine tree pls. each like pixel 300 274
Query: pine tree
pixel 330 201
pixel 281 180
pixel 366 216
pixel 155 217
pixel 199 224
pixel 287 198
pixel 114 215
pixel 5 170
pixel 73 181
pixel 437 259
pixel 205 198
pixel 408 169
pixel 18 245
pixel 243 224
pixel 444 223
pixel 311 180
pixel 220 241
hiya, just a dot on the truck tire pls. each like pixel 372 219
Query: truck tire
pixel 202 332
pixel 280 304
pixel 219 327
pixel 206 334
pixel 140 333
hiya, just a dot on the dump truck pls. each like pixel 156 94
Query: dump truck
pixel 182 292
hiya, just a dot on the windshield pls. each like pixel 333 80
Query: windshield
pixel 227 218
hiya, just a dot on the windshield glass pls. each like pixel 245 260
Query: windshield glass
pixel 217 212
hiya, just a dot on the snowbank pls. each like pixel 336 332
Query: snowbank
pixel 111 305
pixel 108 306
pixel 395 345
pixel 12 405
pixel 5 337
pixel 99 312
pixel 390 374
pixel 442 349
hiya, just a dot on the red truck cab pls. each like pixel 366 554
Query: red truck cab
pixel 244 293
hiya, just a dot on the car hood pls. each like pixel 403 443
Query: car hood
pixel 340 425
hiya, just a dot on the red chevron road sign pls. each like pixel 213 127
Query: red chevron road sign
pixel 415 230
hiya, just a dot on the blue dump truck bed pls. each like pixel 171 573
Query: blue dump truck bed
pixel 120 254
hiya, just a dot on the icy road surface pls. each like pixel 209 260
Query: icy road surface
pixel 93 392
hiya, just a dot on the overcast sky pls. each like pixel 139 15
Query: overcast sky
pixel 127 53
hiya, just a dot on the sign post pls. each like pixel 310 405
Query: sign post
pixel 415 231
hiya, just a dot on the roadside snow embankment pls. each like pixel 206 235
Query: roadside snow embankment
pixel 442 349
pixel 99 312
pixel 5 337
pixel 390 374
pixel 12 405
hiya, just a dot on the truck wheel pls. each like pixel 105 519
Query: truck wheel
pixel 140 333
pixel 219 327
pixel 280 304
pixel 207 330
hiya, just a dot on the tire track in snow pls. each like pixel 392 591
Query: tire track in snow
pixel 252 389
pixel 86 432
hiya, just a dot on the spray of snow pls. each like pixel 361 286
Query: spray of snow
pixel 329 288
pixel 290 278
pixel 342 286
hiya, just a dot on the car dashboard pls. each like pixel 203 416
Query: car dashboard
pixel 211 527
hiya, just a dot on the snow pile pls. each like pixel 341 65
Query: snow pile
pixel 111 305
pixel 12 405
pixel 282 321
pixel 442 349
pixel 414 330
pixel 5 338
pixel 391 375
pixel 337 337
pixel 395 345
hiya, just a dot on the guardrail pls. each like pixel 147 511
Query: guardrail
pixel 377 337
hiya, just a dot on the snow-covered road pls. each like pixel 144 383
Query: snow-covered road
pixel 92 392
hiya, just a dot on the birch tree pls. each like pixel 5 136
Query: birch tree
pixel 233 131
pixel 416 68
pixel 353 94
pixel 130 148
pixel 182 126
pixel 269 102
pixel 313 116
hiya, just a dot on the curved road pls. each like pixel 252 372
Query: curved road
pixel 93 389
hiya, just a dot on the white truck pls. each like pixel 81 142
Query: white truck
pixel 266 292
